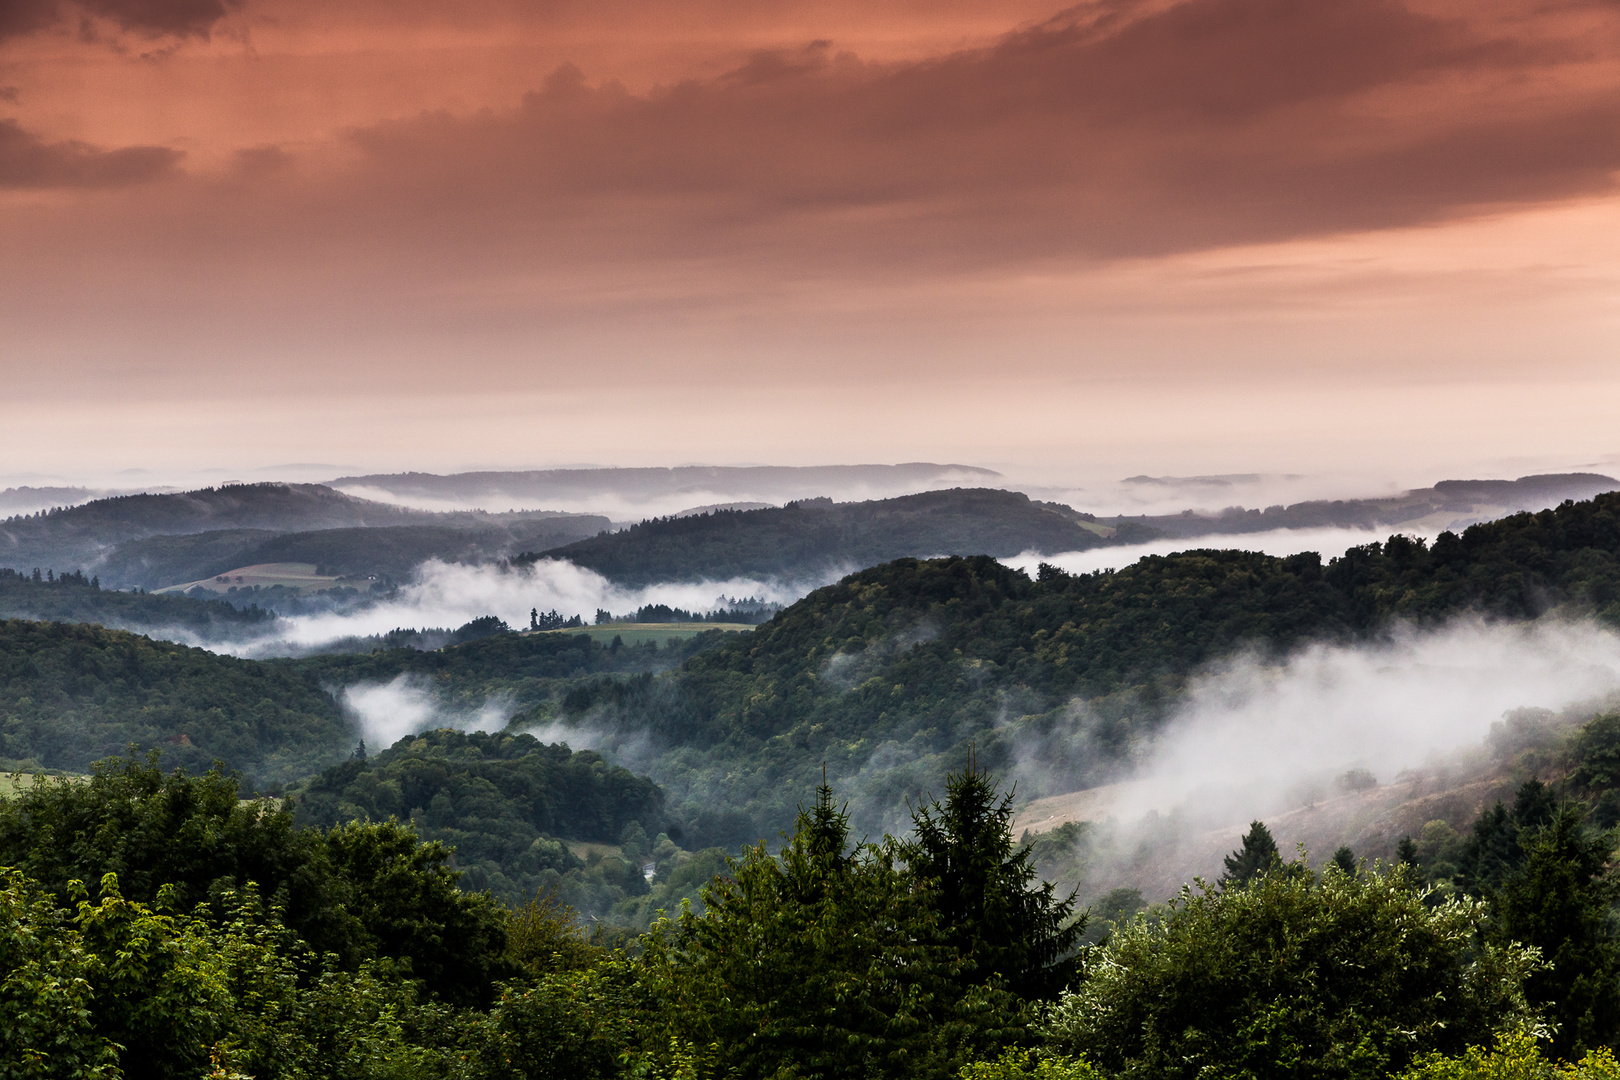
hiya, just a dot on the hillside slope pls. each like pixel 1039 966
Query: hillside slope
pixel 156 540
pixel 814 537
pixel 73 694
pixel 1450 504
pixel 897 669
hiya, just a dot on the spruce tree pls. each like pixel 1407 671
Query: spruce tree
pixel 1345 860
pixel 1559 901
pixel 982 885
pixel 1257 856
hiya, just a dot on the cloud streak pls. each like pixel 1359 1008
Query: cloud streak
pixel 28 161
pixel 449 595
pixel 405 705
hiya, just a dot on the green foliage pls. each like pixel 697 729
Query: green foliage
pixel 72 694
pixel 1514 1056
pixel 502 801
pixel 805 539
pixel 827 960
pixel 47 1027
pixel 359 892
pixel 1330 976
pixel 543 936
pixel 1493 852
pixel 1016 1063
pixel 1559 901
pixel 1256 857
pixel 982 888
pixel 1597 754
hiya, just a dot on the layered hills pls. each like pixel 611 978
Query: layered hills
pixel 157 540
pixel 888 676
pixel 677 488
pixel 1450 504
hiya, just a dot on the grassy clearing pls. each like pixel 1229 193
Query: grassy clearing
pixel 299 576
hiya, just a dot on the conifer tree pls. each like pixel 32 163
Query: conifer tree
pixel 1345 860
pixel 1257 856
pixel 983 886
pixel 1559 901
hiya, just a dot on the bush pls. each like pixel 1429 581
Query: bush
pixel 1334 976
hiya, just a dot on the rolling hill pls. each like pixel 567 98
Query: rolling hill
pixel 1450 504
pixel 814 537
pixel 153 541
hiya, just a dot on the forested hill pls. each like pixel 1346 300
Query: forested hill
pixel 73 694
pixel 389 552
pixel 816 536
pixel 81 537
pixel 500 800
pixel 915 659
pixel 74 598
pixel 1450 504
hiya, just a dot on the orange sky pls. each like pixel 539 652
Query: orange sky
pixel 1197 236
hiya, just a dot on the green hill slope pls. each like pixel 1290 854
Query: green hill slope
pixel 897 669
pixel 817 536
pixel 153 541
pixel 73 598
pixel 73 694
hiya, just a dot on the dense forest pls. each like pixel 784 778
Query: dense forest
pixel 505 803
pixel 913 661
pixel 404 910
pixel 156 925
pixel 815 537
pixel 71 694
pixel 75 598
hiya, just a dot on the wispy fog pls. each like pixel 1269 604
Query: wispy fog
pixel 1329 542
pixel 1252 738
pixel 1255 739
pixel 1149 494
pixel 387 712
pixel 633 494
pixel 452 594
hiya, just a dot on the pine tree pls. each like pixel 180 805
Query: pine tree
pixel 1559 901
pixel 1345 860
pixel 983 888
pixel 1257 856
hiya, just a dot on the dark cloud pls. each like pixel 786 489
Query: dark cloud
pixel 1111 130
pixel 26 161
pixel 149 18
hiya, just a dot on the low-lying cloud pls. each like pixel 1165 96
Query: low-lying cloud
pixel 1277 740
pixel 1328 541
pixel 387 712
pixel 452 594
pixel 1251 737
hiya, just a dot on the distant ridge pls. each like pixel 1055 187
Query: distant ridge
pixel 811 538
pixel 1450 504
pixel 728 483
pixel 158 539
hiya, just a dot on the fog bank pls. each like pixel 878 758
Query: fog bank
pixel 1277 741
pixel 387 712
pixel 1329 542
pixel 452 594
